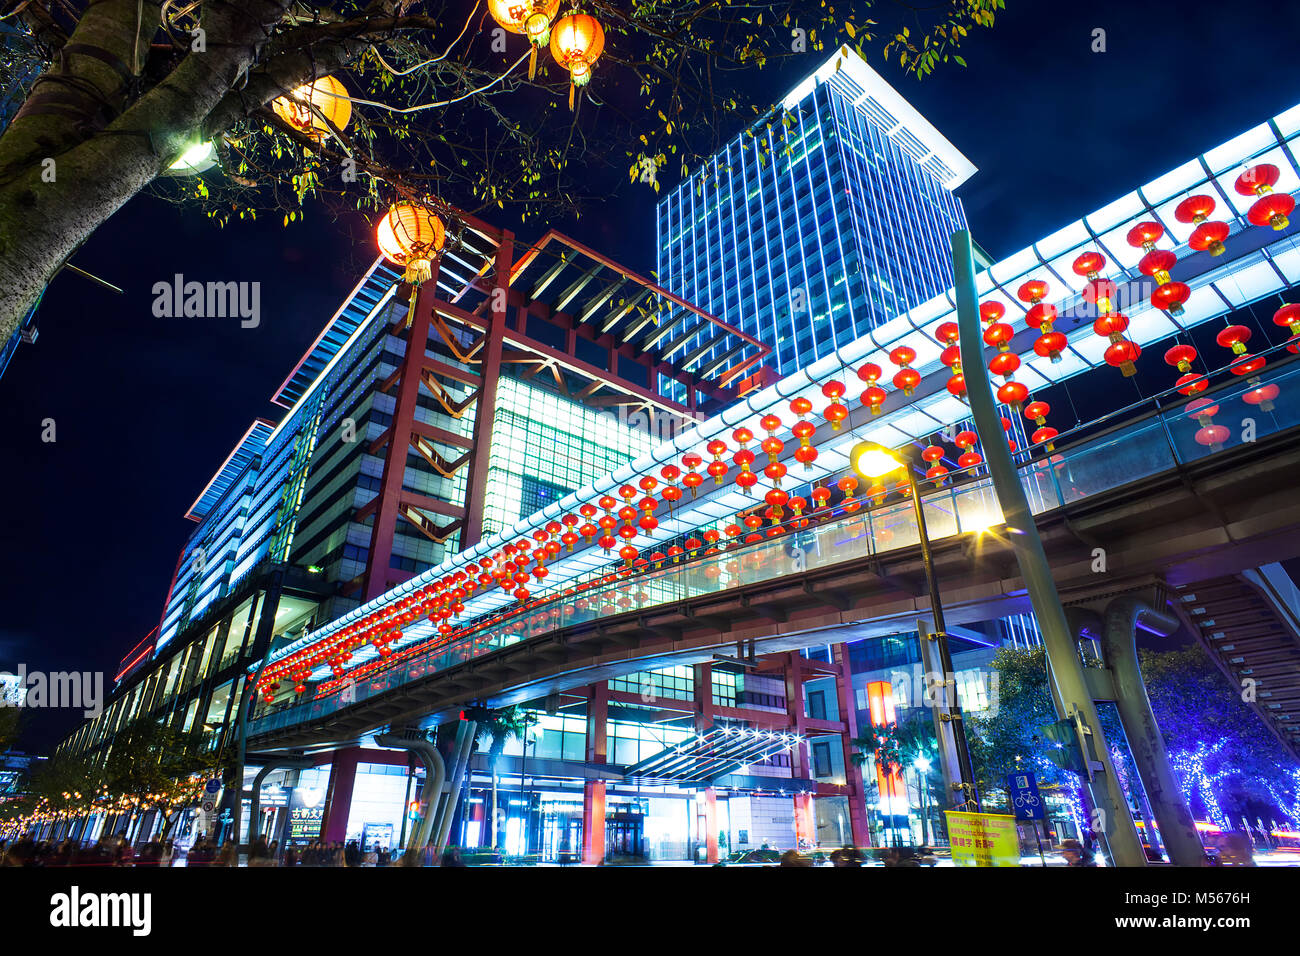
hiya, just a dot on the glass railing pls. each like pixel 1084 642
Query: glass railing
pixel 1158 442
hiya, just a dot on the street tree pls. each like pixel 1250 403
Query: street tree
pixel 154 767
pixel 444 108
pixel 500 727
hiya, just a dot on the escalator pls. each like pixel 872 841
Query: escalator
pixel 1250 625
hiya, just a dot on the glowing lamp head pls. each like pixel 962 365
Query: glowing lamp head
pixel 872 460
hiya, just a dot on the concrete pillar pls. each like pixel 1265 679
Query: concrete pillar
pixel 593 822
pixel 1173 816
pixel 597 722
pixel 805 821
pixel 710 825
pixel 704 709
pixel 795 711
pixel 338 795
pixel 859 825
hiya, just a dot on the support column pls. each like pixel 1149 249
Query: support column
pixel 795 711
pixel 805 821
pixel 597 722
pixel 1147 745
pixel 859 826
pixel 1065 670
pixel 485 406
pixel 399 445
pixel 593 822
pixel 338 795
pixel 710 825
pixel 704 710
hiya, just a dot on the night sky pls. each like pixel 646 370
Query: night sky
pixel 145 409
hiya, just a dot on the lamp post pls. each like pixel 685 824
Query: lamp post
pixel 873 461
pixel 922 766
pixel 531 732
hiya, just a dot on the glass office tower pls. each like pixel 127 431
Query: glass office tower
pixel 823 220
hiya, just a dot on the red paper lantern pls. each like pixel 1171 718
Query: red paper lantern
pixel 1208 235
pixel 835 412
pixel 1271 209
pixel 1261 395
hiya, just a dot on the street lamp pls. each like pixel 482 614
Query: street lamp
pixel 531 733
pixel 873 461
pixel 922 766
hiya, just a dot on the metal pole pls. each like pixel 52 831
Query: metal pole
pixel 1065 670
pixel 950 707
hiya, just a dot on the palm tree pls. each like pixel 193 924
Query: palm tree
pixel 875 744
pixel 916 741
pixel 499 727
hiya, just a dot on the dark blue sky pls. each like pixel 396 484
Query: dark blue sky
pixel 146 408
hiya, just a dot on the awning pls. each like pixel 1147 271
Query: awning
pixel 718 752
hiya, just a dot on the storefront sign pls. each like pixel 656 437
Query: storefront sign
pixel 983 839
pixel 305 815
pixel 304 823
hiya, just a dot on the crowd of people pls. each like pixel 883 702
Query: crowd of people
pixel 108 850
pixel 116 850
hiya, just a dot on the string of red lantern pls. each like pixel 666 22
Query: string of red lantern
pixel 906 378
pixel 1040 316
pixel 1208 235
pixel 1235 337
pixel 1157 263
pixel 873 396
pixel 1100 292
pixel 948 335
pixel 1271 208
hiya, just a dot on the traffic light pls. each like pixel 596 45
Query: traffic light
pixel 1063 745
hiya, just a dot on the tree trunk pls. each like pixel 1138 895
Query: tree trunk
pixel 62 178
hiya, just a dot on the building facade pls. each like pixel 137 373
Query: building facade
pixel 823 220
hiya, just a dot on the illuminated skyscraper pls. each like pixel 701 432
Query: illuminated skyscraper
pixel 826 218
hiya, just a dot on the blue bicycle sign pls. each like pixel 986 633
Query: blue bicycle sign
pixel 1022 789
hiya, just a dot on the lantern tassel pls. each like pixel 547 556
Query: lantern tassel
pixel 571 89
pixel 532 63
pixel 410 309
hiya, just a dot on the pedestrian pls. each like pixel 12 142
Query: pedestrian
pixel 259 854
pixel 352 855
pixel 228 855
pixel 1076 854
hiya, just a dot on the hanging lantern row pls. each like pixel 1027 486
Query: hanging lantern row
pixel 1099 291
pixel 1208 235
pixel 1041 316
pixel 1271 209
pixel 518 564
pixel 1005 362
pixel 1249 366
pixel 948 336
pixel 576 40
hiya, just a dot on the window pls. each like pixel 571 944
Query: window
pixel 821 754
pixel 673 683
pixel 817 704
